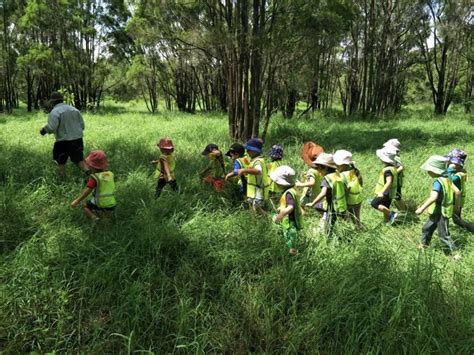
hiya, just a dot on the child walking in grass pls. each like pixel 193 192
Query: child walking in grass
pixel 333 189
pixel 213 173
pixel 165 166
pixel 458 175
pixel 444 196
pixel 311 186
pixel 276 155
pixel 257 176
pixel 240 160
pixel 353 183
pixel 386 188
pixel 101 184
pixel 394 144
pixel 289 215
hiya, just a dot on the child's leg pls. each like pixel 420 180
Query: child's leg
pixel 382 204
pixel 90 213
pixel 443 231
pixel 401 205
pixel 354 212
pixel 173 185
pixel 159 187
pixel 428 230
pixel 462 223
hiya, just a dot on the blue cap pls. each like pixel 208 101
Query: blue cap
pixel 254 144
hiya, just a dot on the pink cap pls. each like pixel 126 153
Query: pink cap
pixel 165 143
pixel 97 160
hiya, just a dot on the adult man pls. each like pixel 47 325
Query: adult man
pixel 67 125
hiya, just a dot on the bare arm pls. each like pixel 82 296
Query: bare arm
pixel 386 187
pixel 283 213
pixel 86 192
pixel 166 167
pixel 429 201
pixel 318 198
pixel 309 183
pixel 251 171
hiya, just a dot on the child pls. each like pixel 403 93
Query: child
pixel 240 161
pixel 165 166
pixel 332 187
pixel 101 183
pixel 353 183
pixel 213 174
pixel 386 188
pixel 394 144
pixel 257 176
pixel 440 203
pixel 289 212
pixel 312 185
pixel 458 176
pixel 276 155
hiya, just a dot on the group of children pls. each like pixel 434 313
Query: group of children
pixel 332 186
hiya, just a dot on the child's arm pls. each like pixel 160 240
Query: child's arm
pixel 429 201
pixel 400 169
pixel 283 213
pixel 386 187
pixel 251 171
pixel 86 192
pixel 308 183
pixel 318 198
pixel 166 167
pixel 457 199
pixel 234 172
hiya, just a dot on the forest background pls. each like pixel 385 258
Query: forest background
pixel 194 271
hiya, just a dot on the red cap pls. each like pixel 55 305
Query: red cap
pixel 97 160
pixel 165 143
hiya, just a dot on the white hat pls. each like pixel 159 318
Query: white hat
pixel 394 142
pixel 343 157
pixel 283 175
pixel 325 159
pixel 387 155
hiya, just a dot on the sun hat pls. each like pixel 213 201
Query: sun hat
pixel 394 142
pixel 342 157
pixel 325 159
pixel 459 153
pixel 387 155
pixel 97 160
pixel 283 175
pixel 457 161
pixel 276 151
pixel 254 144
pixel 236 148
pixel 55 98
pixel 166 143
pixel 436 164
pixel 209 148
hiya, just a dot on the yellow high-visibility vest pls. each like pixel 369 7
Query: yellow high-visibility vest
pixel 252 180
pixel 381 181
pixel 448 197
pixel 104 193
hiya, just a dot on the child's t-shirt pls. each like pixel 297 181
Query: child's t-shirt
pixel 290 201
pixel 325 183
pixel 386 174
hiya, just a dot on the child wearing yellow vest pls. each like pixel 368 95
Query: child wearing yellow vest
pixel 213 173
pixel 386 188
pixel 311 187
pixel 394 144
pixel 240 160
pixel 444 195
pixel 333 189
pixel 257 176
pixel 353 183
pixel 276 155
pixel 165 166
pixel 289 215
pixel 458 175
pixel 101 183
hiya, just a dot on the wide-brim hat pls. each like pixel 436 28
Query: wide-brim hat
pixel 387 155
pixel 255 145
pixel 236 148
pixel 166 143
pixel 283 175
pixel 324 159
pixel 310 151
pixel 342 157
pixel 97 160
pixel 457 161
pixel 209 148
pixel 394 142
pixel 456 152
pixel 436 164
pixel 276 151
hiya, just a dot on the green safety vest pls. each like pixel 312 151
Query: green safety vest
pixel 273 185
pixel 216 168
pixel 448 198
pixel 318 179
pixel 463 176
pixel 105 189
pixel 353 187
pixel 381 182
pixel 336 183
pixel 298 215
pixel 160 171
pixel 252 180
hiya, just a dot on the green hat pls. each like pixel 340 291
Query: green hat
pixel 436 164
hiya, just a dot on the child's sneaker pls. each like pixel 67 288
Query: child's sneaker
pixel 393 215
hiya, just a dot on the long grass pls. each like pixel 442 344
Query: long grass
pixel 196 272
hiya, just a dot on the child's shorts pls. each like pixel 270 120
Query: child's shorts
pixel 384 201
pixel 92 206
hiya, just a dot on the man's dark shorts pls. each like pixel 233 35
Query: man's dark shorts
pixel 63 150
pixel 384 200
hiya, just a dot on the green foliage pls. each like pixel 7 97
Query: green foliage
pixel 196 272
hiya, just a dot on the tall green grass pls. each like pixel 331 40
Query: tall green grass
pixel 195 272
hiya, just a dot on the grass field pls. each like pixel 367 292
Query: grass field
pixel 194 272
